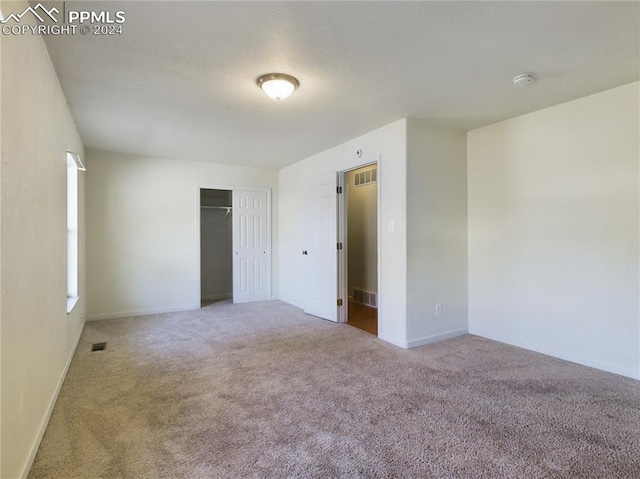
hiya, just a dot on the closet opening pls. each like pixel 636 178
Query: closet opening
pixel 216 246
pixel 361 247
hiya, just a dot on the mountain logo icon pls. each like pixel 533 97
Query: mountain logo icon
pixel 39 11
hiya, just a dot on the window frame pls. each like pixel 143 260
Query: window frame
pixel 74 164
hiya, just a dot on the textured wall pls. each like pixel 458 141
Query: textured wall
pixel 437 233
pixel 38 337
pixel 142 230
pixel 553 230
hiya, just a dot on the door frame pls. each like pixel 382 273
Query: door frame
pixel 198 285
pixel 343 260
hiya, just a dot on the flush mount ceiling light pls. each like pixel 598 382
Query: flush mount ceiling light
pixel 277 85
pixel 524 79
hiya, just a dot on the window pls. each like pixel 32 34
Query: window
pixel 73 166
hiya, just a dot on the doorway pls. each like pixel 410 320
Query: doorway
pixel 216 245
pixel 361 247
pixel 235 244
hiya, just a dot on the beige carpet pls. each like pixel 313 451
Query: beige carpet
pixel 263 391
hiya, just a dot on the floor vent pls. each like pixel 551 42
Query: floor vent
pixel 98 347
pixel 366 177
pixel 365 297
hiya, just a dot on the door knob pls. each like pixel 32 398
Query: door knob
pixel 305 252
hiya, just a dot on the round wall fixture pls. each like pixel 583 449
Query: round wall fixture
pixel 523 79
pixel 277 85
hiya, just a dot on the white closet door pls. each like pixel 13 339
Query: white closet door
pixel 320 253
pixel 251 246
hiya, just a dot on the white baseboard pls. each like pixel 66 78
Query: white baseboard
pixel 35 445
pixel 437 337
pixel 395 341
pixel 611 368
pixel 212 297
pixel 141 312
pixel 421 342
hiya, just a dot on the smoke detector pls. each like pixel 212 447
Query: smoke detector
pixel 523 79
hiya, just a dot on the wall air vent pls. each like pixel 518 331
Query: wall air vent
pixel 365 297
pixel 98 347
pixel 366 177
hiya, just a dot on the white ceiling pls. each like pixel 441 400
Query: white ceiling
pixel 180 81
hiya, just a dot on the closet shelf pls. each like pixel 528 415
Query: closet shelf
pixel 228 208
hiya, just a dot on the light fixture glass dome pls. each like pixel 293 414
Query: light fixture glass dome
pixel 277 85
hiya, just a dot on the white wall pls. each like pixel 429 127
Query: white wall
pixel 553 231
pixel 362 233
pixel 1 161
pixel 142 230
pixel 1 114
pixel 437 232
pixel 388 146
pixel 38 337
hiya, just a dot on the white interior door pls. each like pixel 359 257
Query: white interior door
pixel 320 248
pixel 251 246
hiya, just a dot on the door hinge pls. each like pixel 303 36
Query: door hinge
pixel 339 189
pixel 339 245
pixel 339 302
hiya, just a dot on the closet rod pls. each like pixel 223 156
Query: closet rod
pixel 218 207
